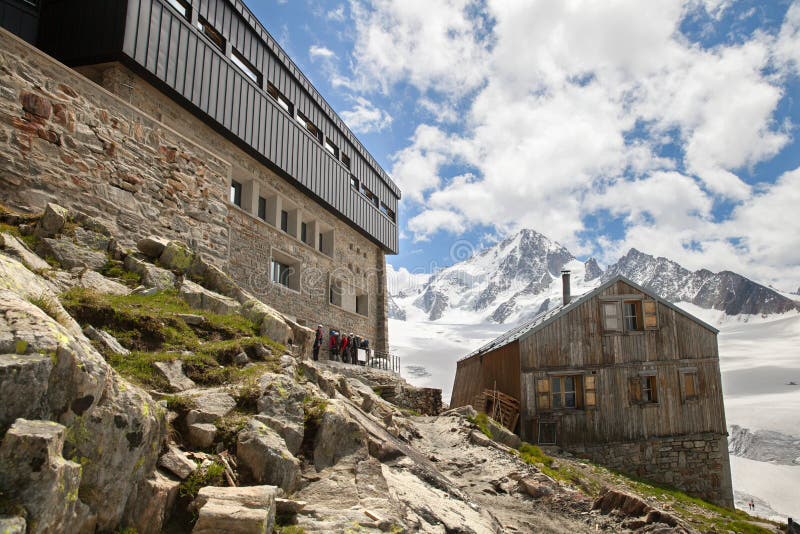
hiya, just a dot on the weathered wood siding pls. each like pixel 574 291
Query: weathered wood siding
pixel 473 375
pixel 576 341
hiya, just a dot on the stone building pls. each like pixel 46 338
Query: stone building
pixel 199 126
pixel 617 375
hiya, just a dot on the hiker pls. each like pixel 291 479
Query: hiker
pixel 317 342
pixel 355 342
pixel 343 349
pixel 365 346
pixel 333 345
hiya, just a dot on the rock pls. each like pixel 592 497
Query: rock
pixel 173 372
pixel 90 239
pixel 281 408
pixel 324 381
pixel 535 488
pixel 210 405
pixel 176 256
pixel 152 246
pixel 69 255
pixel 302 337
pixel 156 497
pixel 12 525
pixel 13 246
pixel 503 435
pixel 35 475
pixel 152 276
pixel 462 411
pixel 201 298
pixel 106 340
pixel 480 439
pixel 272 324
pixel 289 506
pixel 338 436
pixel 241 359
pixel 37 105
pixel 191 319
pixel 263 453
pixel 24 382
pixel 242 510
pixel 177 462
pixel 215 279
pixel 52 222
pixel 201 435
pixel 262 353
pixel 89 280
pixel 92 224
pixel 626 504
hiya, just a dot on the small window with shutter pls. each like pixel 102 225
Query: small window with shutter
pixel 612 316
pixel 590 391
pixel 650 314
pixel 543 394
pixel 635 389
pixel 689 385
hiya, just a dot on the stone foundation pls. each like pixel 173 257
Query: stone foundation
pixel 695 464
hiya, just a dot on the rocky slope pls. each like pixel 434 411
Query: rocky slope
pixel 520 276
pixel 145 392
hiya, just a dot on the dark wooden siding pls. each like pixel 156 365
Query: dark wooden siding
pixel 576 342
pixel 20 18
pixel 499 368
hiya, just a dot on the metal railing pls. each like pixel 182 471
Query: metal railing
pixel 384 361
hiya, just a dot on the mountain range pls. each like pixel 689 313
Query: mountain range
pixel 519 277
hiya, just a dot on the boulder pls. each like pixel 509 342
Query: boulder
pixel 23 381
pixel 338 436
pixel 152 246
pixel 241 359
pixel 52 222
pixel 34 474
pixel 536 488
pixel 172 371
pixel 156 497
pixel 191 318
pixel 263 453
pixel 13 246
pixel 201 435
pixel 215 279
pixel 152 276
pixel 462 411
pixel 272 324
pixel 89 280
pixel 201 298
pixel 176 256
pixel 106 340
pixel 90 239
pixel 315 375
pixel 480 439
pixel 69 255
pixel 177 462
pixel 503 435
pixel 242 510
pixel 210 405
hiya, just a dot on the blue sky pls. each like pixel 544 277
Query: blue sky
pixel 667 126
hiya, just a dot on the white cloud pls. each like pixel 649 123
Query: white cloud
pixel 321 52
pixel 365 117
pixel 336 14
pixel 402 279
pixel 429 222
pixel 442 110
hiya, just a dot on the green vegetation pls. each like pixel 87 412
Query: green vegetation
pixel 313 409
pixel 114 269
pixel 151 328
pixel 48 306
pixel 180 403
pixel 229 427
pixel 289 529
pixel 210 476
pixel 482 422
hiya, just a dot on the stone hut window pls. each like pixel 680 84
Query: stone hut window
pixel 262 208
pixel 285 221
pixel 236 193
pixel 285 270
pixel 643 389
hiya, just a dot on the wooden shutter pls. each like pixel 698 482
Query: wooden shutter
pixel 543 394
pixel 612 316
pixel 650 314
pixel 635 388
pixel 590 391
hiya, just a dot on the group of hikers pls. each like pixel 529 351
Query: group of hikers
pixel 342 347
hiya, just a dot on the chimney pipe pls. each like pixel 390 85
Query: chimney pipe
pixel 565 286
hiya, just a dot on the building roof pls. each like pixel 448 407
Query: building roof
pixel 545 318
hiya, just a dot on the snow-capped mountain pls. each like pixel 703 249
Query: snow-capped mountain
pixel 520 277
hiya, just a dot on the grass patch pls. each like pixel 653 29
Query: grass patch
pixel 48 305
pixel 229 427
pixel 313 409
pixel 289 529
pixel 210 476
pixel 482 422
pixel 114 269
pixel 180 403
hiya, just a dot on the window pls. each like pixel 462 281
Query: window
pixel 182 7
pixel 650 314
pixel 262 208
pixel 631 315
pixel 346 160
pixel 211 33
pixel 386 210
pixel 574 391
pixel 332 148
pixel 304 232
pixel 362 304
pixel 325 240
pixel 240 61
pixel 310 126
pixel 644 389
pixel 236 193
pixel 611 317
pixel 282 101
pixel 370 195
pixel 285 270
pixel 689 385
pixel 354 182
pixel 547 433
pixel 281 273
pixel 285 221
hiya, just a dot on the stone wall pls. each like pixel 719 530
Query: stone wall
pixel 696 463
pixel 116 154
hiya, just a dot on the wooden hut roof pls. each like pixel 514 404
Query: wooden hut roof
pixel 543 319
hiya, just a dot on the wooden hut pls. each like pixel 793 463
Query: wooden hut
pixel 617 375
